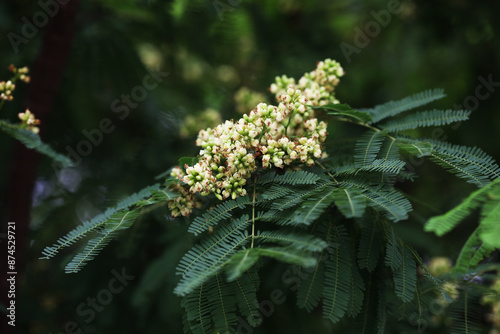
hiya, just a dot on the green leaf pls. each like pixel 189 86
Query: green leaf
pixel 120 220
pixel 337 283
pixel 32 141
pixel 298 241
pixel 100 221
pixel 426 118
pixel 444 223
pixel 222 299
pixel 345 110
pixel 391 166
pixel 472 252
pixel 289 254
pixel 393 108
pixel 218 214
pixel 313 207
pixel 356 293
pixel 490 219
pixel 405 279
pixel 189 161
pixel 394 205
pixel 350 201
pixel 289 178
pixel 416 148
pixel 368 147
pixel 369 246
pixel 246 296
pixel 469 163
pixel 241 262
pixel 401 260
pixel 310 290
pixel 207 258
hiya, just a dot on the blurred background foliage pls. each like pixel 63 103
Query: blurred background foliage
pixel 211 49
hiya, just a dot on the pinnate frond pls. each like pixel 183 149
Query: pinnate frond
pixel 368 147
pixel 99 221
pixel 393 108
pixel 217 214
pixel 209 256
pixel 32 141
pixel 426 118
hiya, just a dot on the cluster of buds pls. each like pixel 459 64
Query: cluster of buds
pixel 6 88
pixel 184 204
pixel 246 99
pixel 318 86
pixel 269 136
pixel 20 73
pixel 29 122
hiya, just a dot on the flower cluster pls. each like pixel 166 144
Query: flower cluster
pixel 184 204
pixel 6 88
pixel 269 136
pixel 318 86
pixel 29 121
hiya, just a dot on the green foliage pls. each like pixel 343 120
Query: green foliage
pixel 368 147
pixel 219 213
pixel 346 110
pixel 32 141
pixel 332 223
pixel 107 224
pixel 426 118
pixel 393 108
pixel 350 201
pixel 469 163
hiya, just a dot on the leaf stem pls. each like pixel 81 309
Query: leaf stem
pixel 348 120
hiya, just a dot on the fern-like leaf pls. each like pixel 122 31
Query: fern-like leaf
pixel 368 147
pixel 222 299
pixel 393 108
pixel 240 262
pixel 32 141
pixel 350 201
pixel 415 147
pixel 469 163
pixel 394 205
pixel 345 110
pixel 405 279
pixel 392 166
pixel 289 178
pixel 218 214
pixel 120 220
pixel 490 218
pixel 298 241
pixel 100 220
pixel 403 266
pixel 369 246
pixel 197 311
pixel 207 258
pixel 310 290
pixel 313 207
pixel 276 191
pixel 356 293
pixel 444 223
pixel 426 118
pixel 300 195
pixel 337 278
pixel 246 296
pixel 473 251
